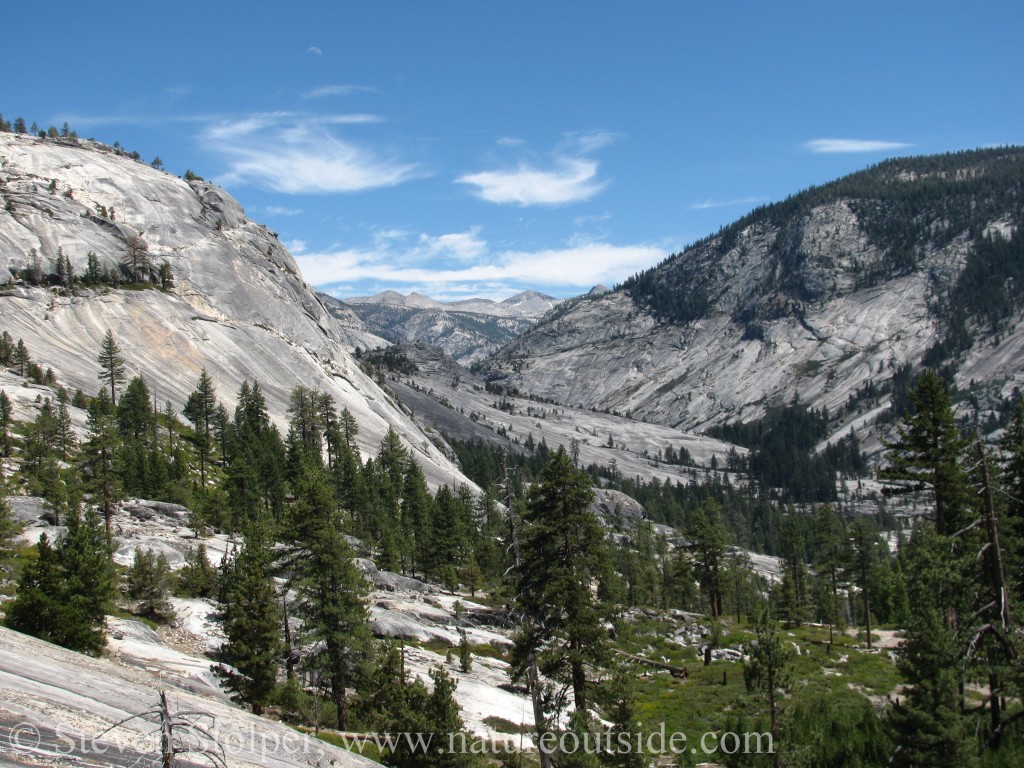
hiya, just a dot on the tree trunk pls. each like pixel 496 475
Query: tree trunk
pixel 579 686
pixel 538 713
pixel 867 614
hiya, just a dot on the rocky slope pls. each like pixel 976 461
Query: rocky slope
pixel 810 298
pixel 239 307
pixel 468 330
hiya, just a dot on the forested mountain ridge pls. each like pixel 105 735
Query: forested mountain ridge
pixel 84 228
pixel 818 297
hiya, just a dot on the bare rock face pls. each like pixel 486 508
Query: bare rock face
pixel 809 299
pixel 467 330
pixel 239 307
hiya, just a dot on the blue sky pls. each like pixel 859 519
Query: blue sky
pixel 482 148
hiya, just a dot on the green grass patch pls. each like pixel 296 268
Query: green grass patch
pixel 502 725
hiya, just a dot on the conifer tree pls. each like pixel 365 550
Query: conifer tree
pixel 111 364
pixel 349 428
pixel 794 590
pixel 197 577
pixel 862 568
pixel 6 410
pixel 149 580
pixel 21 358
pixel 563 556
pixel 928 451
pixel 63 596
pixel 416 512
pixel 929 725
pixel 65 439
pixel 829 561
pixel 252 622
pixel 768 669
pixel 136 257
pixel 99 456
pixel 135 417
pixel 200 409
pixel 330 593
pixel 708 538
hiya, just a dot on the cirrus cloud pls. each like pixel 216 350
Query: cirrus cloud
pixel 846 146
pixel 295 153
pixel 570 181
pixel 569 177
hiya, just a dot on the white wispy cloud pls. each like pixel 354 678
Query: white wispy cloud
pixel 704 205
pixel 569 177
pixel 278 210
pixel 297 153
pixel 590 141
pixel 823 146
pixel 569 181
pixel 336 90
pixel 462 265
pixel 462 246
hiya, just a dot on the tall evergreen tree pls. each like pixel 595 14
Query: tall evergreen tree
pixel 149 582
pixel 708 537
pixel 111 364
pixel 928 451
pixel 929 726
pixel 830 555
pixel 330 593
pixel 6 411
pixel 252 622
pixel 564 556
pixel 200 409
pixel 64 595
pixel 136 258
pixel 768 669
pixel 99 457
pixel 862 567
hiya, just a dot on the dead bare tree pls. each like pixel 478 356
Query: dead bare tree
pixel 180 733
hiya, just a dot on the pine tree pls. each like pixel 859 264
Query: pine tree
pixel 707 536
pixel 768 669
pixel 21 357
pixel 63 596
pixel 928 451
pixel 830 555
pixel 6 411
pixel 111 364
pixel 197 577
pixel 9 527
pixel 862 568
pixel 200 409
pixel 136 257
pixel 349 428
pixel 794 590
pixel 416 512
pixel 149 580
pixel 99 456
pixel 252 623
pixel 330 594
pixel 563 556
pixel 93 270
pixel 65 439
pixel 306 422
pixel 135 417
pixel 929 725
